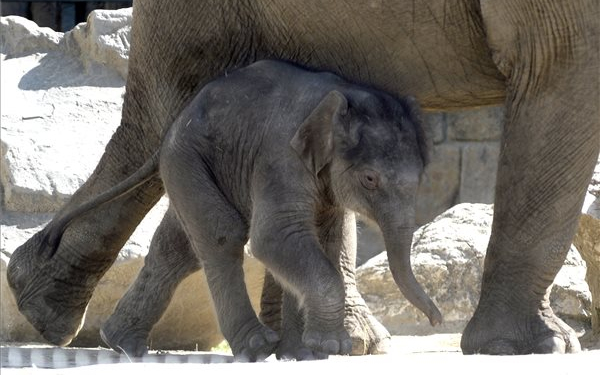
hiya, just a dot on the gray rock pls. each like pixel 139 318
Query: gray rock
pixel 587 241
pixel 570 296
pixel 50 105
pixel 104 39
pixel 447 260
pixel 20 36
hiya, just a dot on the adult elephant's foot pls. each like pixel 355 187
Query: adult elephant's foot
pixel 45 292
pixel 367 334
pixel 121 338
pixel 492 332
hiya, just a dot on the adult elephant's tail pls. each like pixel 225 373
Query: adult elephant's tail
pixel 54 231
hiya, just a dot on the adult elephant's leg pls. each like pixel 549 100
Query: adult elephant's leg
pixel 170 56
pixel 338 237
pixel 170 259
pixel 549 148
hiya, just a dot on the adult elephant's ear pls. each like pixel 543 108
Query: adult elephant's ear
pixel 313 141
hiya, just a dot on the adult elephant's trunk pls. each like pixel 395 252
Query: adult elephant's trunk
pixel 398 241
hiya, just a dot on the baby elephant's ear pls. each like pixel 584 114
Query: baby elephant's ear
pixel 313 141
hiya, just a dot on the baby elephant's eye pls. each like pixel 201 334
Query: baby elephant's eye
pixel 369 179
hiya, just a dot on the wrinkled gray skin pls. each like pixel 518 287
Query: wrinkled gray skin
pixel 540 58
pixel 276 154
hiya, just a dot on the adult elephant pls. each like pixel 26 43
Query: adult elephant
pixel 539 57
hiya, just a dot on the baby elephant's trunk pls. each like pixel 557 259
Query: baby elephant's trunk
pixel 398 241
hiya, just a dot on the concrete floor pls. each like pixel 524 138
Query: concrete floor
pixel 422 354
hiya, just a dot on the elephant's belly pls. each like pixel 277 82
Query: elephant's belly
pixel 430 49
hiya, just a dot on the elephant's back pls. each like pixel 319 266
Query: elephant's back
pixel 268 96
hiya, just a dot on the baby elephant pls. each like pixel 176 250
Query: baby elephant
pixel 277 154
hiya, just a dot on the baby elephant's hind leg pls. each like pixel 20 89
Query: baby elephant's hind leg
pixel 170 259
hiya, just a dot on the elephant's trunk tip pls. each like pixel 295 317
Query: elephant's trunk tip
pixel 398 243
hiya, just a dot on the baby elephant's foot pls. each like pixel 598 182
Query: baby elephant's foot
pixel 336 342
pixel 257 345
pixel 294 349
pixel 301 353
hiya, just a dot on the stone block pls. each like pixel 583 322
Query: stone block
pixel 484 124
pixel 440 183
pixel 436 122
pixel 479 163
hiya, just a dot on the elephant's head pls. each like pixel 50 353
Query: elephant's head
pixel 371 150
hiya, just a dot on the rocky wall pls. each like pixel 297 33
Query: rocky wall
pixel 464 160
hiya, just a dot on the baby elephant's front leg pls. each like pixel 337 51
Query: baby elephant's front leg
pixel 292 253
